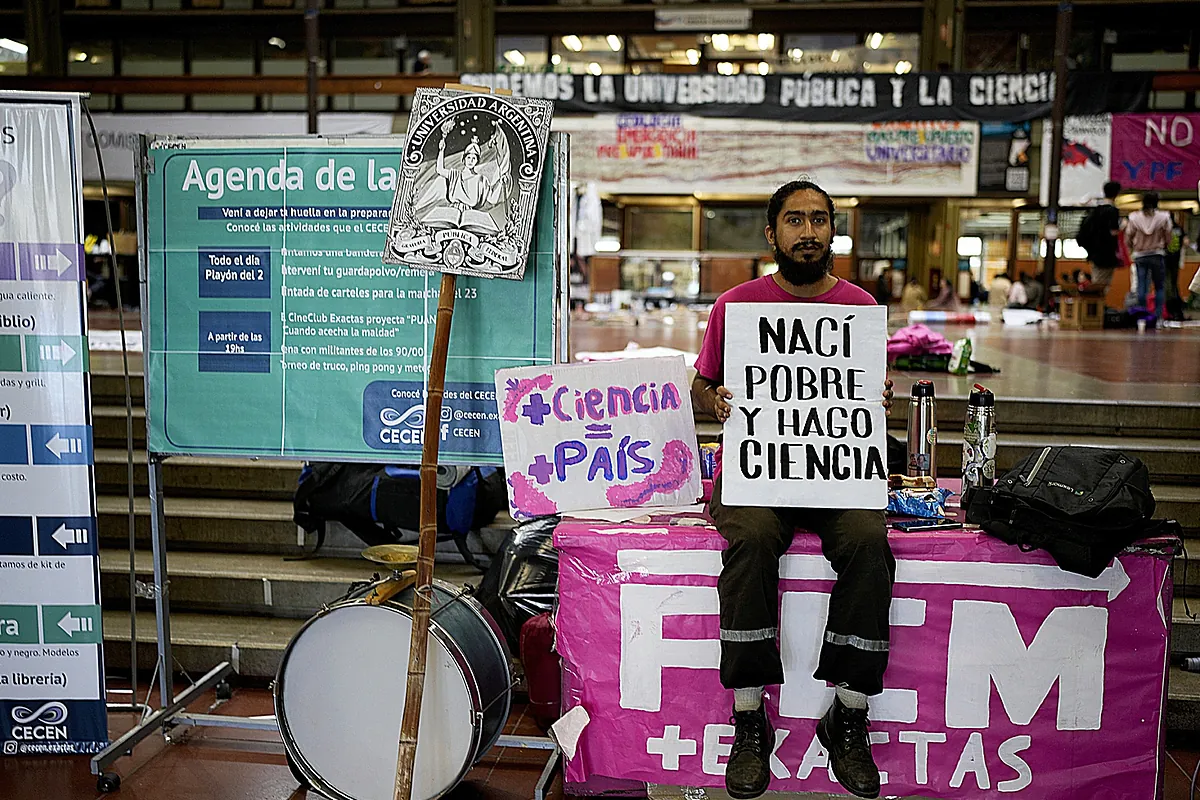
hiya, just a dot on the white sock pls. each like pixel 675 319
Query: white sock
pixel 747 699
pixel 851 698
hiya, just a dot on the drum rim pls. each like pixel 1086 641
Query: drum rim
pixel 436 630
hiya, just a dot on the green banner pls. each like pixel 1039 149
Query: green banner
pixel 274 328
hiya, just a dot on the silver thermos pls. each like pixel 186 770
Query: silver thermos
pixel 979 443
pixel 922 431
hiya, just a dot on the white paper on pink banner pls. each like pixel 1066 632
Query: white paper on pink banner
pixel 1008 677
pixel 808 428
pixel 1086 162
pixel 616 434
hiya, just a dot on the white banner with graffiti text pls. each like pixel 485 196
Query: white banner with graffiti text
pixel 681 154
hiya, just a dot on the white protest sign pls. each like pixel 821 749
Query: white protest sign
pixel 617 434
pixel 808 425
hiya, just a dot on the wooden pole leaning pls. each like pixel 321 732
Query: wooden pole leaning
pixel 406 755
pixel 427 544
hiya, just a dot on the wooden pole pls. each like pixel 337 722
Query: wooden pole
pixel 427 544
pixel 1062 42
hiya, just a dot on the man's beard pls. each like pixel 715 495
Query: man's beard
pixel 803 273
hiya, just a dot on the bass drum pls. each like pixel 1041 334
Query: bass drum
pixel 339 694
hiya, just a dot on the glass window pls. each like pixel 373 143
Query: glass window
pixel 440 55
pixel 14 56
pixel 222 56
pixel 367 56
pixel 983 242
pixel 734 53
pixel 285 57
pixel 653 53
pixel 588 54
pixel 848 52
pixel 154 58
pixel 882 234
pixel 522 54
pixel 734 229
pixel 1152 62
pixel 658 228
pixel 91 58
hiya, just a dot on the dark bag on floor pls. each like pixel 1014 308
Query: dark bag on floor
pixel 1082 505
pixel 376 503
pixel 543 672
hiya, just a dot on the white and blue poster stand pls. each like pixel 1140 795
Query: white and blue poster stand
pixel 51 642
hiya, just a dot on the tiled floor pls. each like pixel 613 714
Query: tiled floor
pixel 223 764
pixel 219 764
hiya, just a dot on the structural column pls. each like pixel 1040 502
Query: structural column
pixel 476 38
pixel 942 36
pixel 43 34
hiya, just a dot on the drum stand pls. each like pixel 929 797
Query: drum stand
pixel 171 712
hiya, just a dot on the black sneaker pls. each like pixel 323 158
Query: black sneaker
pixel 843 732
pixel 748 771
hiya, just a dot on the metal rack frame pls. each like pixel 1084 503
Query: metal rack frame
pixel 171 713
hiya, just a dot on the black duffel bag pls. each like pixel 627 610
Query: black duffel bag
pixel 1082 505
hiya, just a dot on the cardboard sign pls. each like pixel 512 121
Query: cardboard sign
pixel 469 183
pixel 808 424
pixel 614 434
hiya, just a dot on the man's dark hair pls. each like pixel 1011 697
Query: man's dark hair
pixel 1112 189
pixel 775 204
pixel 1150 200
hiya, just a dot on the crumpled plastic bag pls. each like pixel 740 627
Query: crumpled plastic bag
pixel 921 503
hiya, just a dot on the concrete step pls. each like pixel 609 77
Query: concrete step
pixel 246 583
pixel 108 426
pixel 1169 460
pixel 1185 631
pixel 264 479
pixel 108 386
pixel 1183 700
pixel 227 525
pixel 254 645
pixel 1180 503
pixel 1070 417
pixel 228 583
pixel 246 526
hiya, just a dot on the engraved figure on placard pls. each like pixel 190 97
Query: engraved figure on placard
pixel 470 189
pixel 470 183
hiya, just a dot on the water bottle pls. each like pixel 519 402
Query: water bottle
pixel 979 443
pixel 922 431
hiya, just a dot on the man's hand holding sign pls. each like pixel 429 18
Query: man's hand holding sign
pixel 791 364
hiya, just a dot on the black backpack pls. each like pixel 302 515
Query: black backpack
pixel 378 503
pixel 1082 505
pixel 1088 235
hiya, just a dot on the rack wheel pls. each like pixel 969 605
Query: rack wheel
pixel 108 782
pixel 224 690
pixel 297 774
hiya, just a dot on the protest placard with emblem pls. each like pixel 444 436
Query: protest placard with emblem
pixel 469 183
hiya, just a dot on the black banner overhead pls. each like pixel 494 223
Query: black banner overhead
pixel 832 97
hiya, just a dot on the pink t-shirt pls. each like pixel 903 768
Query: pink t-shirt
pixel 711 361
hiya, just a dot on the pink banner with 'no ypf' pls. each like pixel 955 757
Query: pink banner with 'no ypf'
pixel 1156 151
pixel 1008 676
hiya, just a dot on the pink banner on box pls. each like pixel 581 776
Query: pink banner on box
pixel 1156 151
pixel 1008 676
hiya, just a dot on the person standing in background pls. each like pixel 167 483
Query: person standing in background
pixel 1172 260
pixel 1148 234
pixel 1100 235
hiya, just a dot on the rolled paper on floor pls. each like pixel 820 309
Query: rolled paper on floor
pixel 951 317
